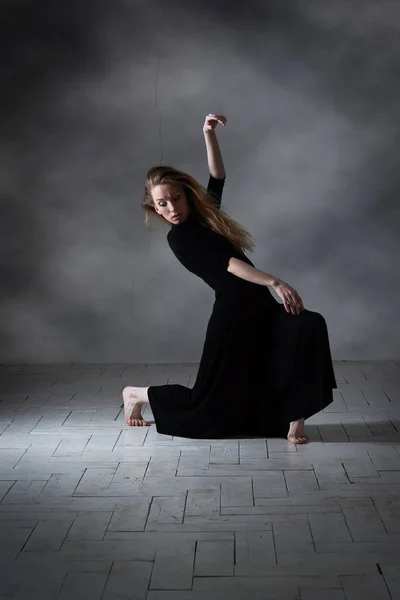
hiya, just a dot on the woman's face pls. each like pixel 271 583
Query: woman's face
pixel 170 200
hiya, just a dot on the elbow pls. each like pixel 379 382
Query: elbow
pixel 218 174
pixel 231 264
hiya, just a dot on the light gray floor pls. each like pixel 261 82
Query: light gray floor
pixel 94 509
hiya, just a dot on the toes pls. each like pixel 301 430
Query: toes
pixel 302 440
pixel 297 439
pixel 136 422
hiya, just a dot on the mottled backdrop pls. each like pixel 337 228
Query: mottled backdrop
pixel 95 93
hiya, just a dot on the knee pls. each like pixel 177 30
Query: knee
pixel 316 320
pixel 319 318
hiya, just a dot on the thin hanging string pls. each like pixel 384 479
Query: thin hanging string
pixel 161 157
pixel 159 110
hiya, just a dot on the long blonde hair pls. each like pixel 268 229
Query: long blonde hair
pixel 200 200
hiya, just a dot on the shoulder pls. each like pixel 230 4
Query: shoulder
pixel 176 235
pixel 171 236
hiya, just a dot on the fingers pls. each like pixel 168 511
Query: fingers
pixel 220 118
pixel 290 306
pixel 291 300
pixel 293 304
pixel 297 301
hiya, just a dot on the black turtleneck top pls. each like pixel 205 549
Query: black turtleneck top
pixel 203 251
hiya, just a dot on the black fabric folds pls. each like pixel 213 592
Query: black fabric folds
pixel 260 368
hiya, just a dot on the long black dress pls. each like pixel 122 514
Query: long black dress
pixel 260 368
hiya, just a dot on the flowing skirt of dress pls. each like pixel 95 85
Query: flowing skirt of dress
pixel 260 368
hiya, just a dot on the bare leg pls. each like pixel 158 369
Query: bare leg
pixel 134 399
pixel 296 433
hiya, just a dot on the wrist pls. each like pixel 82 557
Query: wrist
pixel 275 283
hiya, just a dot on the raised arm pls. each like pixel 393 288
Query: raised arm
pixel 214 157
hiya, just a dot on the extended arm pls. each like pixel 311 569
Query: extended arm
pixel 214 157
pixel 291 299
pixel 245 271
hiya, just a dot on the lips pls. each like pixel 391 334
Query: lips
pixel 176 217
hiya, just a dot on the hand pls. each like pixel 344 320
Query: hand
pixel 212 121
pixel 291 299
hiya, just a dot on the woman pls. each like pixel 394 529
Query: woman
pixel 265 366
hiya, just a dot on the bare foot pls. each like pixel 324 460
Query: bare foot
pixel 296 433
pixel 134 398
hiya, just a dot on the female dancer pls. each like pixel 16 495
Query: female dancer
pixel 266 366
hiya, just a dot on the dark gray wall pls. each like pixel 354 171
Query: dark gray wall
pixel 95 93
